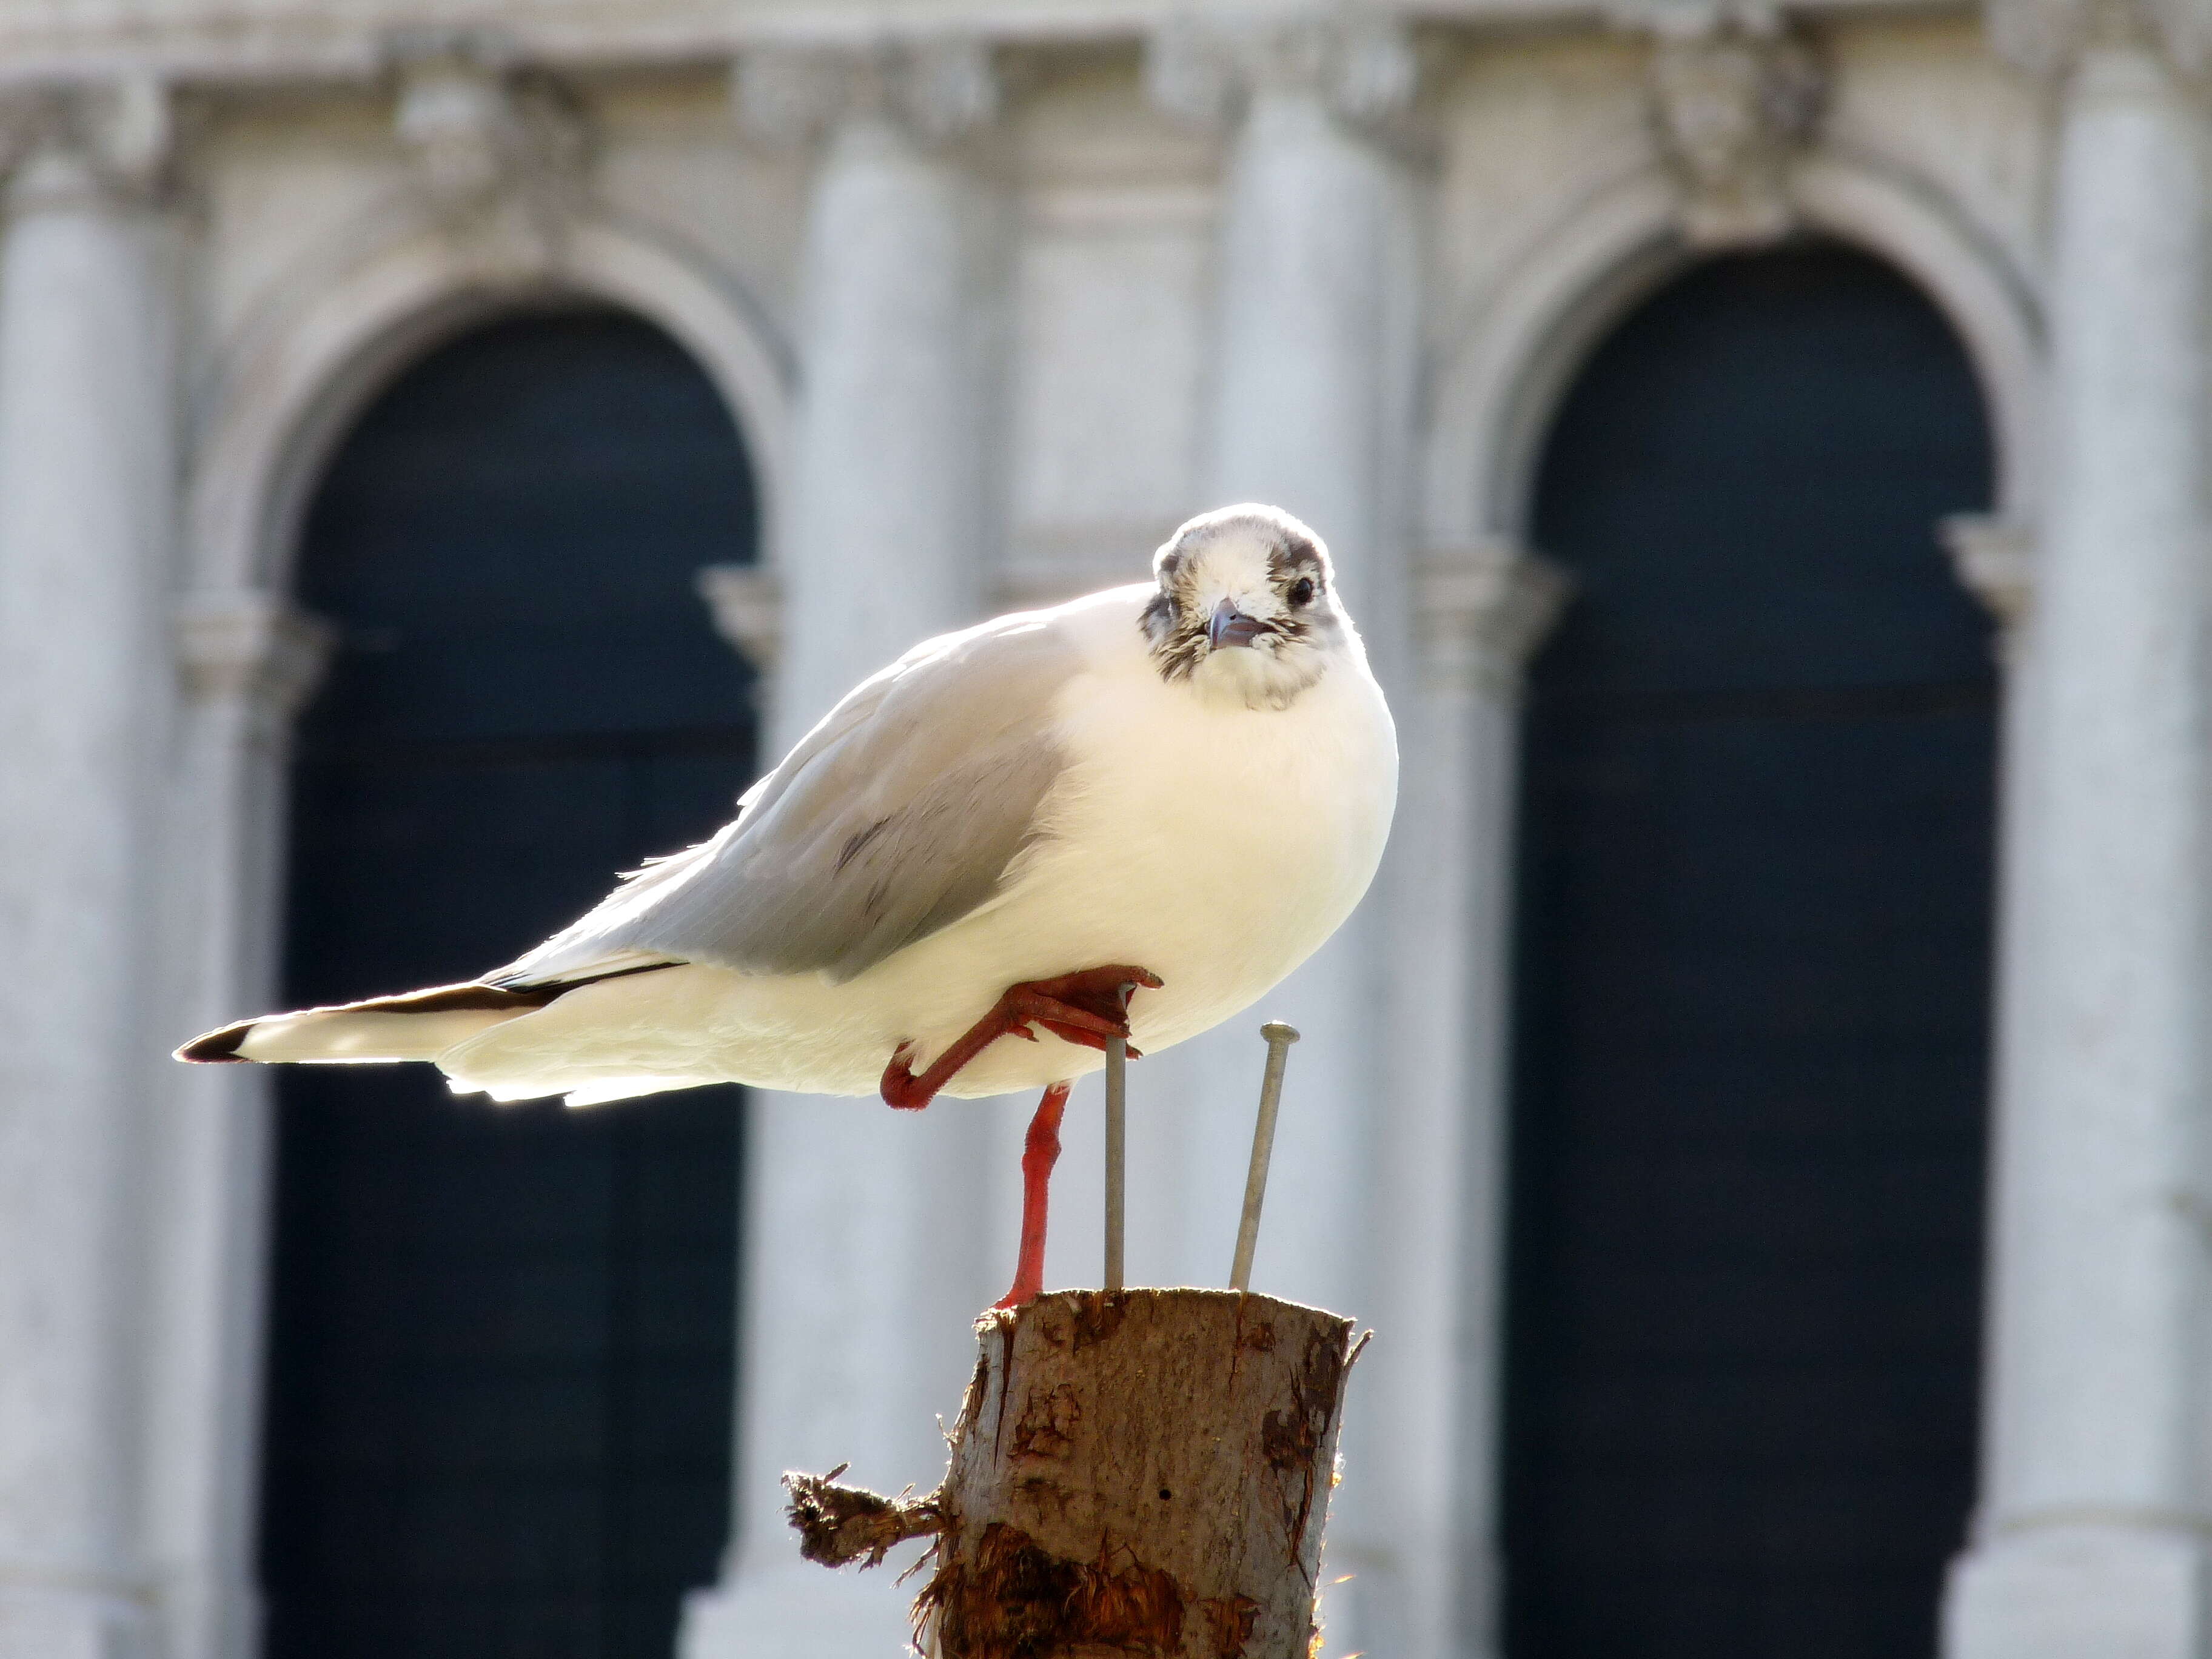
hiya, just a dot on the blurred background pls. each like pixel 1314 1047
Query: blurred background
pixel 446 450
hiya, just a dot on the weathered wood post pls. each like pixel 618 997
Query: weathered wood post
pixel 1143 1471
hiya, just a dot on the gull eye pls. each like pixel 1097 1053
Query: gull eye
pixel 1301 591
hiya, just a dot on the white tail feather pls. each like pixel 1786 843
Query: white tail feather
pixel 367 1036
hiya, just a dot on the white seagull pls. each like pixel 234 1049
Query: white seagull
pixel 1178 789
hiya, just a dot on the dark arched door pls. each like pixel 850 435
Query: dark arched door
pixel 1752 1028
pixel 500 1372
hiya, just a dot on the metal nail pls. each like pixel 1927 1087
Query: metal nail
pixel 1117 1149
pixel 1279 1038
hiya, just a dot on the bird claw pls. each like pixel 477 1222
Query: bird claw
pixel 1082 1039
pixel 1084 1008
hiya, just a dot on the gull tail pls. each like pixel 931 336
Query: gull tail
pixel 415 1025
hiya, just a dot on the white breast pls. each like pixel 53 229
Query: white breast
pixel 1215 844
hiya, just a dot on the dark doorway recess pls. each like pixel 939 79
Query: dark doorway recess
pixel 1754 953
pixel 501 1339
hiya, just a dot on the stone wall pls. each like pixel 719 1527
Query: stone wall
pixel 1139 265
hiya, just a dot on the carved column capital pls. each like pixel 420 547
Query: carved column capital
pixel 746 604
pixel 1361 66
pixel 746 601
pixel 1481 610
pixel 938 90
pixel 252 650
pixel 111 142
pixel 2047 38
pixel 1730 109
pixel 1994 560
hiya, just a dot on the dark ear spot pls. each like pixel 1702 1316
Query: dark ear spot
pixel 1167 564
pixel 1157 617
pixel 1295 557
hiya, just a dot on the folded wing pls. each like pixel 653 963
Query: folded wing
pixel 895 816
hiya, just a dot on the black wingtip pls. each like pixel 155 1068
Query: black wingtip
pixel 218 1048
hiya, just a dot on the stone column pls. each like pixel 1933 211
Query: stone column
pixel 86 473
pixel 865 1256
pixel 246 662
pixel 2090 1538
pixel 1313 374
pixel 1482 611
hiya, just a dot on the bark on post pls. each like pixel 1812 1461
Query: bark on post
pixel 1142 1472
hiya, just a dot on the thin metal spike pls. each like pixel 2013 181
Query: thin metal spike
pixel 1279 1038
pixel 1117 1149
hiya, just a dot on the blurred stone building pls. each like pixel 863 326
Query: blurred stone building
pixel 1764 1107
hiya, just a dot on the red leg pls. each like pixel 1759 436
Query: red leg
pixel 1040 1152
pixel 1084 1008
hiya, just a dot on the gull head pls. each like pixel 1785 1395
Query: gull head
pixel 1246 608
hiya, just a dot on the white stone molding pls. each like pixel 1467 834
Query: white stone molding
pixel 746 601
pixel 1994 560
pixel 252 648
pixel 1731 111
pixel 323 346
pixel 1979 290
pixel 1507 364
pixel 1203 69
pixel 217 41
pixel 1502 369
pixel 482 130
pixel 2047 38
pixel 1480 612
pixel 938 89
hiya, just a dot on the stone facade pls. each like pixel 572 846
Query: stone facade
pixel 1054 275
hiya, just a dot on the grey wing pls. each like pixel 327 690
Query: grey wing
pixel 894 817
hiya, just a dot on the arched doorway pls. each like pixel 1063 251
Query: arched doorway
pixel 1754 959
pixel 501 1338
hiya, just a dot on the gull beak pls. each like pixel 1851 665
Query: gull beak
pixel 1231 626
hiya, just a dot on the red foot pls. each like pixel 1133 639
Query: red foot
pixel 1040 1152
pixel 1084 1008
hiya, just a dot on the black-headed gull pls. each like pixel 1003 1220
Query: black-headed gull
pixel 1179 788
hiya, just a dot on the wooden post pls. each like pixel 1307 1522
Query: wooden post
pixel 1143 1471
